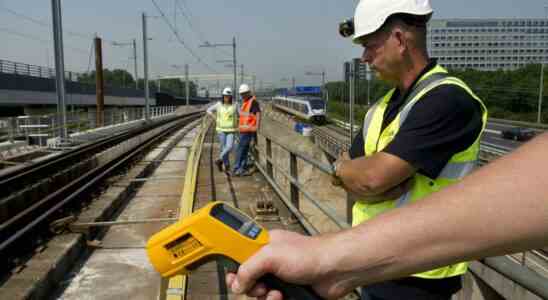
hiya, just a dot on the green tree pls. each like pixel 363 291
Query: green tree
pixel 114 78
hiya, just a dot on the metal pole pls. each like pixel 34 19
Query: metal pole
pixel 541 90
pixel 351 108
pixel 145 58
pixel 59 66
pixel 99 83
pixel 323 84
pixel 159 85
pixel 135 63
pixel 294 190
pixel 368 77
pixel 235 66
pixel 187 86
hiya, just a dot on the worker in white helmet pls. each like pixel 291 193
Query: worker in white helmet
pixel 225 113
pixel 250 117
pixel 419 138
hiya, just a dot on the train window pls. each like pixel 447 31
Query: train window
pixel 317 104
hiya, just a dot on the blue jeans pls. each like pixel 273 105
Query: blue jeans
pixel 243 149
pixel 226 140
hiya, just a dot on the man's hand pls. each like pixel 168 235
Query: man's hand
pixel 293 258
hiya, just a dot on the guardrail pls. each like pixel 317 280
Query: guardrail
pixel 297 187
pixel 516 272
pixel 36 129
pixel 519 123
pixel 11 67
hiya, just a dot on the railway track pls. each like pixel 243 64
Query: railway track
pixel 332 139
pixel 55 188
pixel 251 194
pixel 118 262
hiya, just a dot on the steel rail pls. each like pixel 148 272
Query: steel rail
pixel 17 177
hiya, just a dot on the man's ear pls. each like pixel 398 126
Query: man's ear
pixel 401 40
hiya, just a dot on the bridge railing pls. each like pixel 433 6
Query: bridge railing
pixel 518 271
pixel 18 68
pixel 37 129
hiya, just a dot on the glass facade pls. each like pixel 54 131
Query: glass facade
pixel 488 44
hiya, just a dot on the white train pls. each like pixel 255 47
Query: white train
pixel 308 108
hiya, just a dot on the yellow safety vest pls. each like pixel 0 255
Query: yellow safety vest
pixel 459 165
pixel 226 118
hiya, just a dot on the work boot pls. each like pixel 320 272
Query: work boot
pixel 219 164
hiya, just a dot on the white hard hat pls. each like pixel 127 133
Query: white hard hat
pixel 244 88
pixel 370 15
pixel 227 91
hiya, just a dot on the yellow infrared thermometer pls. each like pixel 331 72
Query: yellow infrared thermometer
pixel 217 231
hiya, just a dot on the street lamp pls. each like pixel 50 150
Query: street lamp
pixel 134 44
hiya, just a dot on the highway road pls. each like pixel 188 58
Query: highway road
pixel 492 135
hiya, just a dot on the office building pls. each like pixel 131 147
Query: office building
pixel 488 44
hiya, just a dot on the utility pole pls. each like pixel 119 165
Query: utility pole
pixel 145 59
pixel 541 90
pixel 99 83
pixel 368 77
pixel 59 67
pixel 235 66
pixel 242 73
pixel 135 63
pixel 187 85
pixel 351 108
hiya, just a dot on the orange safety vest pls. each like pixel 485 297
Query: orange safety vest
pixel 248 121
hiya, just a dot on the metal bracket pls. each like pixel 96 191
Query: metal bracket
pixel 265 211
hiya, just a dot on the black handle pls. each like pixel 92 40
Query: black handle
pixel 290 291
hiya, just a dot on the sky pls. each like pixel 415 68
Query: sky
pixel 276 40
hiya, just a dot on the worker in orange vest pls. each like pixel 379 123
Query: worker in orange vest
pixel 250 115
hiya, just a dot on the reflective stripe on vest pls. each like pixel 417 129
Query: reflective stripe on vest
pixel 226 118
pixel 248 121
pixel 459 165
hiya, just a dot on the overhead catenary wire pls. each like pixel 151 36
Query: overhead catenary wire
pixel 183 9
pixel 38 39
pixel 181 41
pixel 46 24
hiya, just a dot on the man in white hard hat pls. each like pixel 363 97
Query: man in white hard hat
pixel 225 114
pixel 421 137
pixel 250 117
